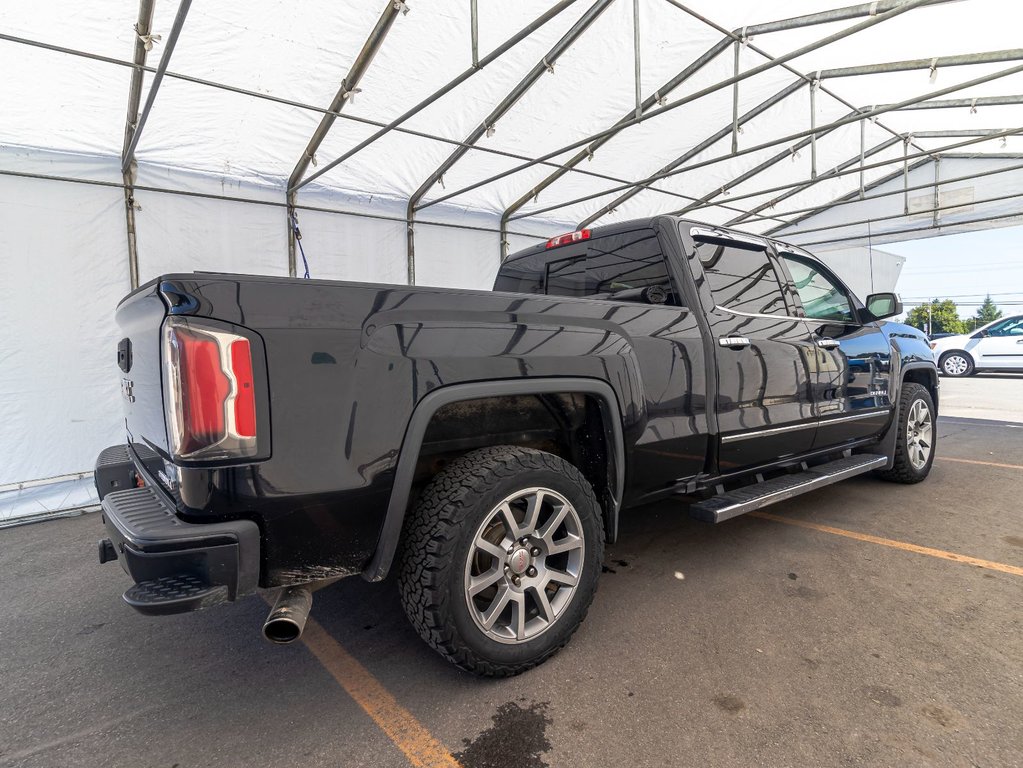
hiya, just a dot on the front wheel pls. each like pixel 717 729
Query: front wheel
pixel 917 436
pixel 956 364
pixel 501 559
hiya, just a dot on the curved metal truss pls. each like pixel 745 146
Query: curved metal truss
pixel 749 207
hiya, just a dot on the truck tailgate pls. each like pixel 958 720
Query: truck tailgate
pixel 139 318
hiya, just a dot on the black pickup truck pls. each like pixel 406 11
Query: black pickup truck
pixel 286 433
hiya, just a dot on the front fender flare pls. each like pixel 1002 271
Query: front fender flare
pixel 891 435
pixel 387 545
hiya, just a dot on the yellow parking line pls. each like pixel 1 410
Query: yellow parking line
pixel 981 463
pixel 1013 569
pixel 400 725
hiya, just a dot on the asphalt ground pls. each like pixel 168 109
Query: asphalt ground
pixel 809 635
pixel 995 395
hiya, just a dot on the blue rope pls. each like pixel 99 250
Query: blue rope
pixel 298 239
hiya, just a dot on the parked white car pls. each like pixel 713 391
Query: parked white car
pixel 996 346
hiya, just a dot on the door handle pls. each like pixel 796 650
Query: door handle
pixel 828 343
pixel 733 342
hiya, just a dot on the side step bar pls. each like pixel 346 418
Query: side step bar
pixel 734 503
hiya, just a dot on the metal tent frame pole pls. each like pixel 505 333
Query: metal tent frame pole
pixel 829 174
pixel 815 81
pixel 706 201
pixel 477 66
pixel 925 154
pixel 972 104
pixel 488 126
pixel 312 108
pixel 900 7
pixel 933 64
pixel 1015 54
pixel 979 136
pixel 143 29
pixel 658 97
pixel 786 139
pixel 853 196
pixel 134 127
pixel 253 201
pixel 347 90
pixel 890 217
pixel 859 158
pixel 928 227
pixel 321 110
pixel 737 122
pixel 128 155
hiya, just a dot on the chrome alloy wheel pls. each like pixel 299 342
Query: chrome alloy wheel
pixel 524 565
pixel 919 429
pixel 955 365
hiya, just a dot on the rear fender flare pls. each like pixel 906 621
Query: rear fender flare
pixel 394 519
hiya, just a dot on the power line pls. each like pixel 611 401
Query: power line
pixel 969 295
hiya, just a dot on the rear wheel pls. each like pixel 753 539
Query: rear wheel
pixel 956 364
pixel 917 436
pixel 501 559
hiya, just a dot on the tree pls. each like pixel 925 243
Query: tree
pixel 988 312
pixel 937 316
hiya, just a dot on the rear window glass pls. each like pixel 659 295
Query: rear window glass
pixel 618 266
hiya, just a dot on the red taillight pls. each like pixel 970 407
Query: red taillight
pixel 571 237
pixel 245 397
pixel 210 392
pixel 204 388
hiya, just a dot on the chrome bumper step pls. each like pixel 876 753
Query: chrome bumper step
pixel 734 503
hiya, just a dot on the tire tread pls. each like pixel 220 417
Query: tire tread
pixel 430 536
pixel 902 470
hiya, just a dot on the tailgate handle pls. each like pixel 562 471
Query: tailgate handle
pixel 124 354
pixel 733 342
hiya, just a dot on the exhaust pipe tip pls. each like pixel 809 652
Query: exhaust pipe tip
pixel 286 620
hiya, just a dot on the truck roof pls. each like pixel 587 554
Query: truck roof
pixel 631 224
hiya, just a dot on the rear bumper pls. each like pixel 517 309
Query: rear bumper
pixel 176 566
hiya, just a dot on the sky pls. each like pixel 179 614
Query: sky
pixel 964 267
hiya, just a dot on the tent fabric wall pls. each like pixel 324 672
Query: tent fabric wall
pixel 64 269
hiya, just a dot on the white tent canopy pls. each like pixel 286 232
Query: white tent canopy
pixel 140 140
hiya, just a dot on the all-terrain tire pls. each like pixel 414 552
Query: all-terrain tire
pixel 906 469
pixel 441 531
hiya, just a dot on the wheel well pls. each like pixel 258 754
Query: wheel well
pixel 926 378
pixel 569 425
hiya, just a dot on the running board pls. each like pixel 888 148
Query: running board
pixel 734 503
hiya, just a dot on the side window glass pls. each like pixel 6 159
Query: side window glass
pixel 520 277
pixel 625 267
pixel 1011 327
pixel 741 279
pixel 821 298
